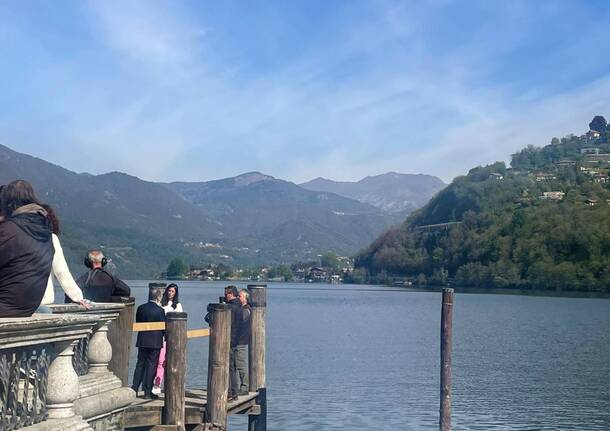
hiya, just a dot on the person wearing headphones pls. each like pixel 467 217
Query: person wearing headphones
pixel 98 284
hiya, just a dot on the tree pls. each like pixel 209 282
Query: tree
pixel 177 267
pixel 598 124
pixel 329 260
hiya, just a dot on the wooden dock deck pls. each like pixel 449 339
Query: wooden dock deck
pixel 148 413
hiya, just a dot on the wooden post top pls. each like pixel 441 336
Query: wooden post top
pixel 176 315
pixel 217 307
pixel 258 295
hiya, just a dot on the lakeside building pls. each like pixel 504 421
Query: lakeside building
pixel 553 196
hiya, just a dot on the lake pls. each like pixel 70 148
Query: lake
pixel 345 357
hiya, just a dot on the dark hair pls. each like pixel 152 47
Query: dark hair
pixel 165 299
pixel 232 289
pixel 52 216
pixel 17 194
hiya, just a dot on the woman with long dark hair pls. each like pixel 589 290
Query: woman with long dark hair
pixel 60 269
pixel 26 250
pixel 170 303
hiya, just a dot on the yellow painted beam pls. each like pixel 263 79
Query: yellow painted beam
pixel 196 333
pixel 160 326
pixel 148 326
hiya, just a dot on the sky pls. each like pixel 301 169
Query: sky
pixel 201 90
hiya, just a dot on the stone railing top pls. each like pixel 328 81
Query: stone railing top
pixel 45 328
pixel 96 308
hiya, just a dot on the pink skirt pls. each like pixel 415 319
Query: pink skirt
pixel 160 367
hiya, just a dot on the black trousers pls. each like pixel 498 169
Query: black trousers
pixel 146 368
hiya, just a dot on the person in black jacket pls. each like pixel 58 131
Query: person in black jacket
pixel 238 354
pixel 149 343
pixel 97 284
pixel 26 250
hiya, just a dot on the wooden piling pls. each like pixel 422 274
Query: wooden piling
pixel 257 372
pixel 175 369
pixel 119 336
pixel 218 364
pixel 446 334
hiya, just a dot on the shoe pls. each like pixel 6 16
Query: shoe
pixel 151 396
pixel 232 398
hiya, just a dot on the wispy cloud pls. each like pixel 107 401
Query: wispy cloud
pixel 433 87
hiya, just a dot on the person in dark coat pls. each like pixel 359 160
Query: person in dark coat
pixel 238 352
pixel 97 284
pixel 26 250
pixel 149 343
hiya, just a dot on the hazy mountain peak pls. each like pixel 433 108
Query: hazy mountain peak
pixel 248 178
pixel 393 192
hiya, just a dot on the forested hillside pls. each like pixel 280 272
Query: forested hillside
pixel 542 223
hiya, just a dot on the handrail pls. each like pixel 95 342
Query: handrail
pixel 160 326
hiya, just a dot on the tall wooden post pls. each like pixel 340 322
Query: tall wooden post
pixel 175 368
pixel 258 303
pixel 446 332
pixel 218 363
pixel 119 334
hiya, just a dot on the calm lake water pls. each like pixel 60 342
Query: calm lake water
pixel 365 357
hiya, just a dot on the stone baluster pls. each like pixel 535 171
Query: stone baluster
pixel 62 386
pixel 100 349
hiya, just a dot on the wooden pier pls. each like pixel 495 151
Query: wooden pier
pixel 180 408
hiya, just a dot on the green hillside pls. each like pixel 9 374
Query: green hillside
pixel 543 223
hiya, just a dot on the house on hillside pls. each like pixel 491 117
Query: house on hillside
pixel 593 134
pixel 545 177
pixel 496 176
pixel 566 163
pixel 589 150
pixel 552 196
pixel 600 178
pixel 317 275
pixel 598 159
pixel 591 202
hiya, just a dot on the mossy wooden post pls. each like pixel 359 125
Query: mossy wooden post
pixel 218 364
pixel 258 303
pixel 175 368
pixel 119 336
pixel 446 330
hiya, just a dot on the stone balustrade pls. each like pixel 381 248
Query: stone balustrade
pixel 102 396
pixel 38 384
pixel 40 388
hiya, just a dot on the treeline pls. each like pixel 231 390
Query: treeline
pixel 298 271
pixel 509 233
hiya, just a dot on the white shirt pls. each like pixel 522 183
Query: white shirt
pixel 62 273
pixel 169 309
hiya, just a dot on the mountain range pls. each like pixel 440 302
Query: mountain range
pixel 249 219
pixel 392 192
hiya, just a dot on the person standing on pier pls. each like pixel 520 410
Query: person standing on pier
pixel 149 343
pixel 244 340
pixel 170 303
pixel 238 356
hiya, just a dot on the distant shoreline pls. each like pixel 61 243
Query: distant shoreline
pixel 430 289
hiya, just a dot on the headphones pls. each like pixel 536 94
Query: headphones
pixel 89 264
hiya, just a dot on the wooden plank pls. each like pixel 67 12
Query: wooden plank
pixel 160 326
pixel 196 333
pixel 148 326
pixel 138 417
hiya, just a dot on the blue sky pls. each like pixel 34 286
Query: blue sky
pixel 170 90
